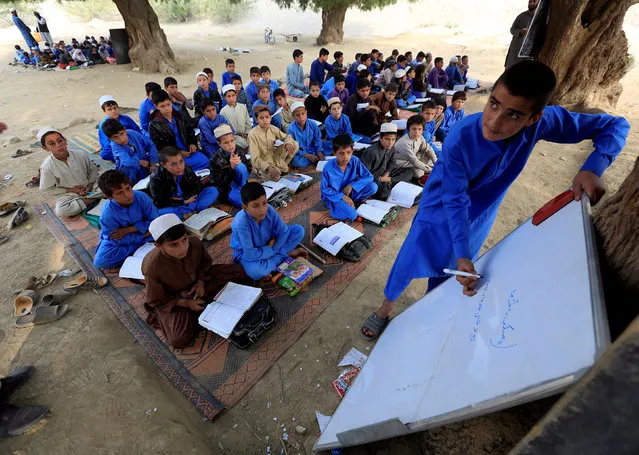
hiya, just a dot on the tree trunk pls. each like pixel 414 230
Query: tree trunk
pixel 149 49
pixel 617 227
pixel 333 25
pixel 588 50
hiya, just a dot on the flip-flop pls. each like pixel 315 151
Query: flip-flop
pixel 25 301
pixel 4 239
pixel 19 217
pixel 375 324
pixel 41 315
pixel 86 282
pixel 56 298
pixel 33 183
pixel 38 282
pixel 15 420
pixel 21 152
pixel 8 207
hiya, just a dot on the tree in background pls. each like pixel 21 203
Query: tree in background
pixel 333 14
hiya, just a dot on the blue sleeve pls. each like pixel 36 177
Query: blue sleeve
pixel 455 181
pixel 608 134
pixel 448 116
pixel 363 176
pixel 144 115
pixel 347 122
pixel 328 188
pixel 250 252
pixel 152 150
pixel 124 155
pixel 316 144
pixel 108 222
pixel 226 78
pixel 207 138
pixel 148 211
pixel 105 142
pixel 130 124
pixel 331 128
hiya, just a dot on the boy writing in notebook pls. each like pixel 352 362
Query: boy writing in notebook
pixel 482 157
pixel 413 152
pixel 259 238
pixel 452 115
pixel 237 116
pixel 181 279
pixel 124 221
pixel 230 168
pixel 112 110
pixel 134 154
pixel 345 181
pixel 271 149
pixel 307 135
pixel 175 188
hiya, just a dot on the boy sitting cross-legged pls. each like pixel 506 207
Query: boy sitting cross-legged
pixel 124 222
pixel 112 111
pixel 237 116
pixel 260 239
pixel 413 152
pixel 345 181
pixel 230 168
pixel 133 153
pixel 175 188
pixel 207 124
pixel 307 135
pixel 264 99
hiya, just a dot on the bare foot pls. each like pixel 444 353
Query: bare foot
pixel 383 312
pixel 298 252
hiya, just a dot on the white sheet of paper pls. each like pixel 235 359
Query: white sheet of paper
pixel 142 184
pixel 437 91
pixel 238 295
pixel 132 268
pixel 97 210
pixel 459 88
pixel 450 92
pixel 220 318
pixel 278 142
pixel 332 239
pixel 371 213
pixel 278 111
pixel 272 187
pixel 388 114
pixel 317 122
pixel 294 186
pixel 354 358
pixel 472 83
pixel 144 250
pixel 321 164
pixel 401 123
pixel 203 173
pixel 196 131
pixel 412 106
pixel 404 194
pixel 381 204
pixel 361 106
pixel 360 146
pixel 421 100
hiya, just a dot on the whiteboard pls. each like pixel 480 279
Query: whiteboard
pixel 535 327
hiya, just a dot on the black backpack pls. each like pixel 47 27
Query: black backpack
pixel 258 319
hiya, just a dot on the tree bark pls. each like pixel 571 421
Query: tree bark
pixel 332 25
pixel 149 49
pixel 588 50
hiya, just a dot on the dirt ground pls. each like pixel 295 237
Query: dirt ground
pixel 100 384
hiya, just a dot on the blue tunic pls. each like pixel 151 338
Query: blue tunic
pixel 112 253
pixel 208 142
pixel 127 122
pixel 454 76
pixel 276 120
pixel 309 139
pixel 336 127
pixel 464 190
pixel 26 32
pixel 146 107
pixel 318 70
pixel 227 78
pixel 127 157
pixel 451 117
pixel 334 180
pixel 251 91
pixel 351 83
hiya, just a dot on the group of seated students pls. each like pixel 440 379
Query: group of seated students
pixel 89 52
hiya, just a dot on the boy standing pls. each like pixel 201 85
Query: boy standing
pixel 251 87
pixel 237 116
pixel 227 76
pixel 307 135
pixel 147 106
pixel 169 127
pixel 135 155
pixel 345 181
pixel 319 67
pixel 286 113
pixel 112 110
pixel 413 152
pixel 452 115
pixel 437 77
pixel 360 111
pixel 340 91
pixel 385 101
pixel 379 159
pixel 209 121
pixel 180 279
pixel 458 208
pixel 259 238
pixel 295 76
pixel 315 103
pixel 270 160
pixel 230 168
pixel 124 221
pixel 175 188
pixel 67 174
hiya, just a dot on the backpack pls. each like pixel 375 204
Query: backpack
pixel 258 319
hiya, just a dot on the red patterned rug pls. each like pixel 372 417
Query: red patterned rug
pixel 212 373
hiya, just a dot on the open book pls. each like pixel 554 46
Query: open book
pixel 437 91
pixel 142 184
pixel 472 83
pixel 360 146
pixel 377 212
pixel 222 315
pixel 273 187
pixel 97 210
pixel 404 194
pixel 333 238
pixel 459 88
pixel 132 267
pixel 200 224
pixel 401 123
pixel 421 100
pixel 295 182
pixel 321 164
pixel 295 274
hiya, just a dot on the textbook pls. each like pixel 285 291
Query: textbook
pixel 321 164
pixel 450 92
pixel 272 188
pixel 200 223
pixel 295 274
pixel 296 182
pixel 405 194
pixel 412 107
pixel 132 267
pixel 224 312
pixel 333 238
pixel 359 146
pixel 379 213
pixel 97 210
pixel 142 184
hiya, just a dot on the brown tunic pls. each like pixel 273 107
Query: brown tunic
pixel 379 100
pixel 168 280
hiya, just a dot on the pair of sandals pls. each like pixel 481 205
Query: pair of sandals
pixel 20 215
pixel 31 309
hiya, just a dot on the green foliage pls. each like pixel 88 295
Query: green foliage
pixel 317 5
pixel 176 11
pixel 87 10
pixel 221 11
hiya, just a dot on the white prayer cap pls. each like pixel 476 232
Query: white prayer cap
pixel 407 69
pixel 361 67
pixel 201 73
pixel 400 73
pixel 296 105
pixel 162 224
pixel 454 60
pixel 333 100
pixel 44 131
pixel 222 130
pixel 105 98
pixel 226 88
pixel 388 128
pixel 12 10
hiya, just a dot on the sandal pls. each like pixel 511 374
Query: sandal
pixel 19 217
pixel 15 420
pixel 38 282
pixel 25 301
pixel 21 152
pixel 375 324
pixel 8 207
pixel 86 282
pixel 56 298
pixel 41 315
pixel 4 239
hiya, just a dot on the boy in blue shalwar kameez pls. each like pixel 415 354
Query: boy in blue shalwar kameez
pixel 207 124
pixel 307 135
pixel 259 238
pixel 112 111
pixel 134 154
pixel 482 157
pixel 345 181
pixel 124 222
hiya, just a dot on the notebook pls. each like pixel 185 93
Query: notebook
pixel 97 210
pixel 142 184
pixel 472 83
pixel 377 212
pixel 200 223
pixel 401 123
pixel 459 88
pixel 295 274
pixel 273 187
pixel 333 238
pixel 321 164
pixel 422 100
pixel 132 267
pixel 437 91
pixel 295 182
pixel 362 106
pixel 224 312
pixel 450 92
pixel 360 146
pixel 404 194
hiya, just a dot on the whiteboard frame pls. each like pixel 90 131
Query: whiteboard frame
pixel 394 427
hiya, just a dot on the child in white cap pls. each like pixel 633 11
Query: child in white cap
pixel 307 135
pixel 237 116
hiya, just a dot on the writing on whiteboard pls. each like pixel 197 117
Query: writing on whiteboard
pixel 480 306
pixel 506 328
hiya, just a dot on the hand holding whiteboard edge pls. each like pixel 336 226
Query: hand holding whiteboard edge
pixel 553 206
